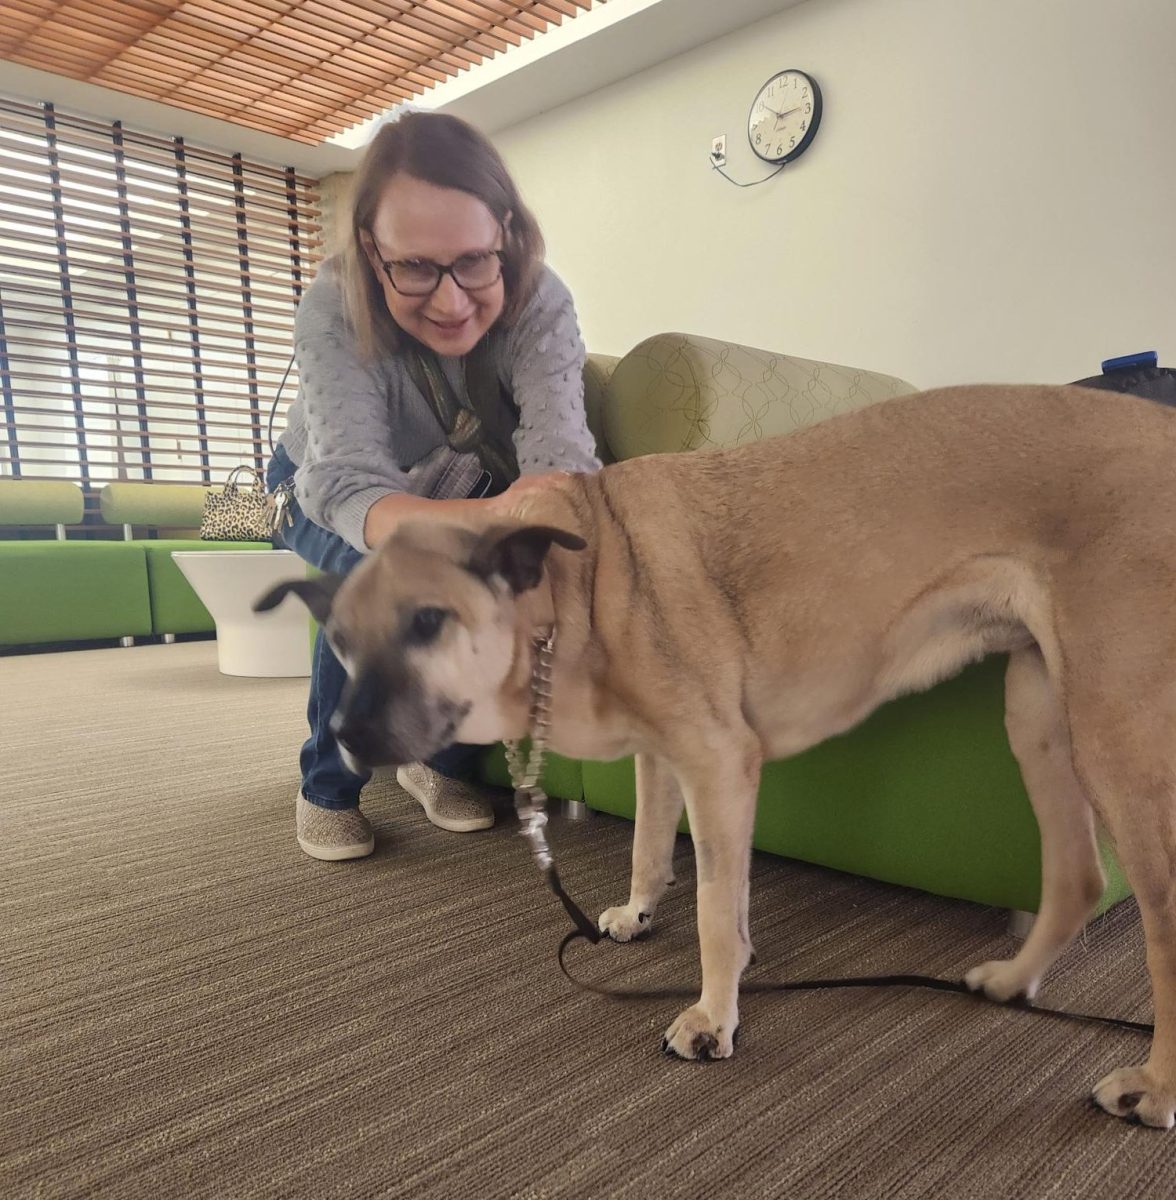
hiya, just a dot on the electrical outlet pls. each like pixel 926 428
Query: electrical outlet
pixel 718 152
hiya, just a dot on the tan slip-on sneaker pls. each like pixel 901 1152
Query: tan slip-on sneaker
pixel 332 833
pixel 448 803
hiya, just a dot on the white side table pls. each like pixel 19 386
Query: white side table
pixel 274 643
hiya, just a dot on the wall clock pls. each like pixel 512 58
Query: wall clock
pixel 784 117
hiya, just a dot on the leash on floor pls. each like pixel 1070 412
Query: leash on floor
pixel 586 930
pixel 531 807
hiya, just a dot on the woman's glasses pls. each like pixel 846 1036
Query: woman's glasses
pixel 422 277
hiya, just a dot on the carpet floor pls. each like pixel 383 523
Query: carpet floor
pixel 191 1007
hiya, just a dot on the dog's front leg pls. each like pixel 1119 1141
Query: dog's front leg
pixel 659 805
pixel 720 801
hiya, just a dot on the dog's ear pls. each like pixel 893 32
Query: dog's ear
pixel 317 594
pixel 516 552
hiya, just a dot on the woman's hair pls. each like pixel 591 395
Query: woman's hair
pixel 446 152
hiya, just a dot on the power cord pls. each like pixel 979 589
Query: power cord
pixel 715 167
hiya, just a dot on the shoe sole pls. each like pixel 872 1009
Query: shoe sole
pixel 450 824
pixel 338 853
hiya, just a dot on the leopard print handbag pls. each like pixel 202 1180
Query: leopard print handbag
pixel 238 513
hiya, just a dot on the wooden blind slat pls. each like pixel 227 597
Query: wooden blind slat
pixel 22 276
pixel 227 415
pixel 31 279
pixel 94 340
pixel 143 143
pixel 219 307
pixel 22 196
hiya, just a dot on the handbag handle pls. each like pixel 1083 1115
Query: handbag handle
pixel 231 484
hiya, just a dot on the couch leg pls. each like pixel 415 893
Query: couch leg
pixel 168 638
pixel 1020 923
pixel 126 641
pixel 574 810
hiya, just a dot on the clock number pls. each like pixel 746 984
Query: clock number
pixel 757 139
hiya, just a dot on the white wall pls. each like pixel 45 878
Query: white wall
pixel 992 193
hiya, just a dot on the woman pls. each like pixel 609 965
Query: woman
pixel 438 359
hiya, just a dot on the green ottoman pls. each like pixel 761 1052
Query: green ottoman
pixel 72 591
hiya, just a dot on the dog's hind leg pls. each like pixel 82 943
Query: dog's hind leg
pixel 721 790
pixel 1130 770
pixel 659 805
pixel 1071 872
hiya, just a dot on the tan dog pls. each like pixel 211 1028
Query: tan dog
pixel 718 609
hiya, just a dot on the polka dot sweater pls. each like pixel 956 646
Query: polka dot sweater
pixel 357 429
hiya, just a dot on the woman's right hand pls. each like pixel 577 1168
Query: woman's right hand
pixel 508 503
pixel 387 512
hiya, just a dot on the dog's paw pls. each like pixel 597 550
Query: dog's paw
pixel 625 923
pixel 1134 1093
pixel 695 1035
pixel 1003 980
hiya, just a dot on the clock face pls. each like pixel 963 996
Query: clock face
pixel 784 116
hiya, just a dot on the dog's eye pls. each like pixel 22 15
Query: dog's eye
pixel 426 624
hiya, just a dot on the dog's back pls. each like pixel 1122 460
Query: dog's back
pixel 899 542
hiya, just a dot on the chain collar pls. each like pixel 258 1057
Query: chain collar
pixel 524 774
pixel 530 800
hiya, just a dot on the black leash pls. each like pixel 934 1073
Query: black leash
pixel 530 804
pixel 587 930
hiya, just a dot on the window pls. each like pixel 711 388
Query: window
pixel 147 297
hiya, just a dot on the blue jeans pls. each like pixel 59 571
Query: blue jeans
pixel 326 780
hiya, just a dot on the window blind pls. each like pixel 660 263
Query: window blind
pixel 147 297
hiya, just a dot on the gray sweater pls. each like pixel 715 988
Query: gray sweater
pixel 357 429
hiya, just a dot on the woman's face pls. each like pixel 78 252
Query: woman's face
pixel 419 222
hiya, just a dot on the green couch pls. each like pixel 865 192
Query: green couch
pixel 60 589
pixel 53 589
pixel 925 792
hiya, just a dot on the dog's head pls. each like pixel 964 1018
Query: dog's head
pixel 427 629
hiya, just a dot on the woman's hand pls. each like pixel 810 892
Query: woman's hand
pixel 507 503
pixel 389 511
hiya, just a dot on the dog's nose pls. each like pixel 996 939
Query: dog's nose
pixel 357 738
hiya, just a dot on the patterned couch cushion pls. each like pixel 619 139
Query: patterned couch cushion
pixel 678 392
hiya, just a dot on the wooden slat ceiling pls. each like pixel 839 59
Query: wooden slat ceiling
pixel 302 69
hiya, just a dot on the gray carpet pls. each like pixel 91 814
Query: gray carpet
pixel 191 1007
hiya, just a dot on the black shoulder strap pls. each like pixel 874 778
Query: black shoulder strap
pixel 466 419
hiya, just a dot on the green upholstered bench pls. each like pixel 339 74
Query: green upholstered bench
pixel 54 591
pixel 57 590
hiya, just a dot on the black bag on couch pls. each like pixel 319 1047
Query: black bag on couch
pixel 1137 374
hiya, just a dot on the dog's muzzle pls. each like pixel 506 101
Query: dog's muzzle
pixel 381 726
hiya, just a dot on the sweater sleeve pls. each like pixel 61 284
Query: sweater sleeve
pixel 349 462
pixel 545 363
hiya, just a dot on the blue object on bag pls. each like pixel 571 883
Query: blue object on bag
pixel 1145 358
